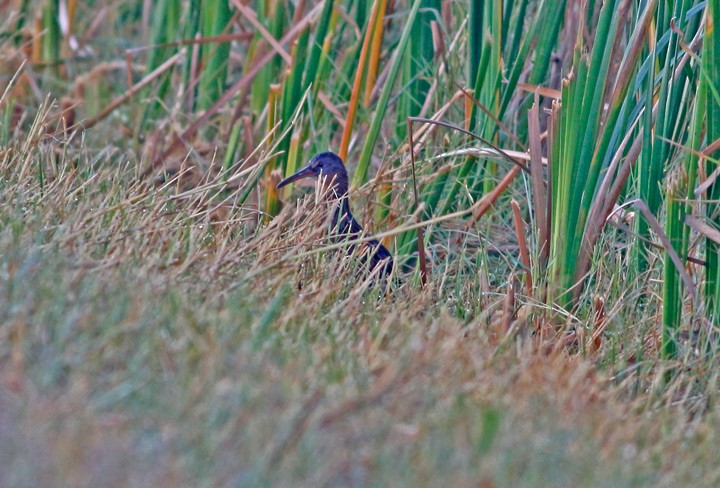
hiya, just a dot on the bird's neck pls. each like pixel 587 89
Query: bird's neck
pixel 342 216
pixel 345 204
pixel 335 187
pixel 340 186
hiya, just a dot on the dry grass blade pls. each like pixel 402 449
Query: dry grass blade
pixel 424 130
pixel 541 90
pixel 522 243
pixel 635 46
pixel 197 41
pixel 468 110
pixel 702 228
pixel 540 194
pixel 331 107
pixel 483 152
pixel 707 183
pixel 711 148
pixel 471 100
pixel 484 204
pixel 448 125
pixel 12 81
pixel 249 14
pixel 508 313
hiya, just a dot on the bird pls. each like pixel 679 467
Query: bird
pixel 329 168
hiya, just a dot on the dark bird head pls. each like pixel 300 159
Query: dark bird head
pixel 329 167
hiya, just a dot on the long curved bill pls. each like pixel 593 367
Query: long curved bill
pixel 306 172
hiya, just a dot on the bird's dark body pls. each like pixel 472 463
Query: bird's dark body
pixel 347 227
pixel 344 226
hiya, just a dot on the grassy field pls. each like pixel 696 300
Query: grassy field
pixel 167 318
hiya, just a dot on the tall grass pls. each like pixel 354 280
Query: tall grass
pixel 711 75
pixel 508 46
pixel 680 195
pixel 581 145
pixel 670 118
